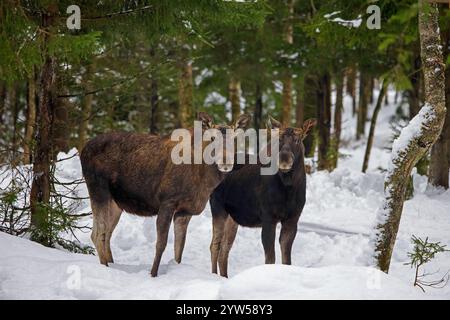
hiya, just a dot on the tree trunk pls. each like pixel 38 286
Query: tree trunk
pixel 351 87
pixel 287 79
pixel 311 87
pixel 86 108
pixel 339 106
pixel 185 87
pixel 417 138
pixel 439 165
pixel 60 132
pixel 300 105
pixel 3 91
pixel 13 97
pixel 373 123
pixel 40 188
pixel 31 119
pixel 386 100
pixel 154 101
pixel 257 118
pixel 364 88
pixel 324 120
pixel 372 87
pixel 234 94
pixel 413 94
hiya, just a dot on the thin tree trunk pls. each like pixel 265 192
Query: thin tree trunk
pixel 338 118
pixel 60 132
pixel 373 123
pixel 287 79
pixel 257 116
pixel 364 88
pixel 386 100
pixel 3 91
pixel 31 119
pixel 372 87
pixel 351 87
pixel 324 119
pixel 185 93
pixel 300 105
pixel 417 138
pixel 234 94
pixel 439 164
pixel 40 188
pixel 86 108
pixel 311 86
pixel 154 101
pixel 14 107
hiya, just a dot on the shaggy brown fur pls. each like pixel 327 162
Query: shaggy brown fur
pixel 134 173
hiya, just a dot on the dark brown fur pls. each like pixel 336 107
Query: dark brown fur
pixel 250 199
pixel 134 173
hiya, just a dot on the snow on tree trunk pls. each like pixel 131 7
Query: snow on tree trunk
pixel 416 138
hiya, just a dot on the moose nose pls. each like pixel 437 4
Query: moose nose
pixel 225 167
pixel 286 161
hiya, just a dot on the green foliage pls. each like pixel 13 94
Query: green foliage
pixel 74 48
pixel 55 219
pixel 423 251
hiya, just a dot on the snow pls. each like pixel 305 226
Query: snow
pixel 408 133
pixel 355 23
pixel 331 254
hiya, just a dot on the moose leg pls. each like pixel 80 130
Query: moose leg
pixel 218 221
pixel 111 222
pixel 105 216
pixel 227 242
pixel 268 241
pixel 287 236
pixel 162 229
pixel 98 235
pixel 181 223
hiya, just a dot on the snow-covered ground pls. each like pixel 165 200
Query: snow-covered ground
pixel 331 259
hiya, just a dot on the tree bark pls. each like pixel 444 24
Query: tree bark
pixel 351 87
pixel 324 120
pixel 234 94
pixel 40 188
pixel 339 106
pixel 257 118
pixel 60 125
pixel 287 79
pixel 185 94
pixel 364 88
pixel 413 94
pixel 373 123
pixel 13 97
pixel 439 164
pixel 311 86
pixel 31 119
pixel 300 105
pixel 86 108
pixel 154 102
pixel 417 138
pixel 3 91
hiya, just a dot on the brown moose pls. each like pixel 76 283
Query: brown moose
pixel 134 173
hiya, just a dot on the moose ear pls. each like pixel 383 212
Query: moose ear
pixel 206 119
pixel 243 121
pixel 307 126
pixel 273 124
